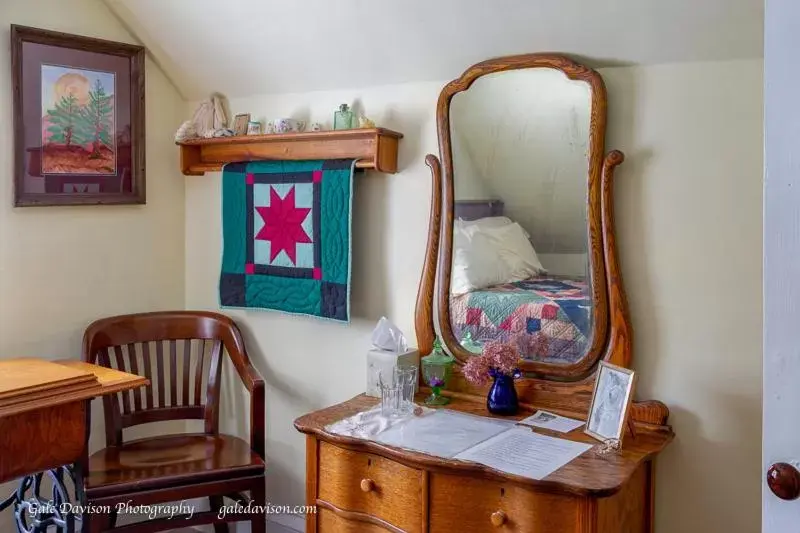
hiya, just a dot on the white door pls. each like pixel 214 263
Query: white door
pixel 781 439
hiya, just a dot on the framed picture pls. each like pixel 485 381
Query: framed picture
pixel 254 128
pixel 608 412
pixel 240 123
pixel 79 119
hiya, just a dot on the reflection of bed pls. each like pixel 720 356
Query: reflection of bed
pixel 547 317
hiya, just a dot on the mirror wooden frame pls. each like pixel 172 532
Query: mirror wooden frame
pixel 567 388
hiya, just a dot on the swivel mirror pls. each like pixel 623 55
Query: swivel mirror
pixel 522 256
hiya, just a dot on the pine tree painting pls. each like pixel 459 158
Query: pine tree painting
pixel 63 119
pixel 78 121
pixel 98 115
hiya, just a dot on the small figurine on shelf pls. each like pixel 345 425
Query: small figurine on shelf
pixel 364 122
pixel 211 115
pixel 436 369
pixel 316 126
pixel 186 132
pixel 344 119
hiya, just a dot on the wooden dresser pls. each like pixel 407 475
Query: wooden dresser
pixel 365 487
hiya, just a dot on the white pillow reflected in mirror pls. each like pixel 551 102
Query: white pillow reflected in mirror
pixel 514 248
pixel 487 222
pixel 487 256
pixel 476 262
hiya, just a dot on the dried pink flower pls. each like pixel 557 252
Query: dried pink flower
pixel 501 356
pixel 476 370
pixel 497 357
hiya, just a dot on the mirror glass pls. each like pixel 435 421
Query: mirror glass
pixel 520 264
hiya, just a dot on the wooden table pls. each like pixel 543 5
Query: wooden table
pixel 44 430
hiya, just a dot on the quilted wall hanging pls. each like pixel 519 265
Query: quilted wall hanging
pixel 286 237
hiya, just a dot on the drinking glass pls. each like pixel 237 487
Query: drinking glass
pixel 390 400
pixel 407 376
pixel 397 391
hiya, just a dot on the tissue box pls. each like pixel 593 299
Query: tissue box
pixel 381 361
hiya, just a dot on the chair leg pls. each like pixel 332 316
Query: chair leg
pixel 258 522
pixel 215 504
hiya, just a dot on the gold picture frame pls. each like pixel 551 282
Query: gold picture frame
pixel 240 123
pixel 613 394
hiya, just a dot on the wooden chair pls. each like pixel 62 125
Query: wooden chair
pixel 181 352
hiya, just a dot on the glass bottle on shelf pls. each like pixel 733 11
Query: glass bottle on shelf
pixel 344 119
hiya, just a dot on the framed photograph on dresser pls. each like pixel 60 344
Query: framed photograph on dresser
pixel 611 400
pixel 79 119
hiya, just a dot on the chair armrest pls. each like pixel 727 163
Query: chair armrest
pixel 249 376
pixel 234 344
pixel 254 384
pixel 257 422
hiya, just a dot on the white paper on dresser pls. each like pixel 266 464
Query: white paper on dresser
pixel 522 452
pixel 553 422
pixel 443 433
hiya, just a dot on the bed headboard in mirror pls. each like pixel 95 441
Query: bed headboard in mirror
pixel 523 164
pixel 477 209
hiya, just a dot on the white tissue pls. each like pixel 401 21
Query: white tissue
pixel 386 336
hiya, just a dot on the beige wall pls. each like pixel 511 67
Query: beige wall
pixel 62 267
pixel 689 225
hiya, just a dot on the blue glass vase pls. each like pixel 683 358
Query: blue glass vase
pixel 502 398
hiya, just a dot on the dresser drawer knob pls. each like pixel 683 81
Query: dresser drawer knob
pixel 498 518
pixel 367 485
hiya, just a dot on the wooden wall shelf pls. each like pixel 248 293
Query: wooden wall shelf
pixel 375 148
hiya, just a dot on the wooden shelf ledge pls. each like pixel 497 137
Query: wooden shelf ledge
pixel 374 148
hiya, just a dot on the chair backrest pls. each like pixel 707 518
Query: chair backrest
pixel 180 352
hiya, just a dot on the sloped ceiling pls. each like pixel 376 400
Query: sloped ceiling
pixel 245 47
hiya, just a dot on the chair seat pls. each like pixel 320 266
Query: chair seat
pixel 170 460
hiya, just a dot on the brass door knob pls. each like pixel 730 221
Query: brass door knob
pixel 784 481
pixel 498 518
pixel 367 485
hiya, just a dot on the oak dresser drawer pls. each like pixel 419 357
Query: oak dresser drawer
pixel 472 505
pixel 372 485
pixel 329 521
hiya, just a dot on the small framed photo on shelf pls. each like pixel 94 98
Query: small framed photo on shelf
pixel 611 400
pixel 240 123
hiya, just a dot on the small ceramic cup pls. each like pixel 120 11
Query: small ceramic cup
pixel 316 126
